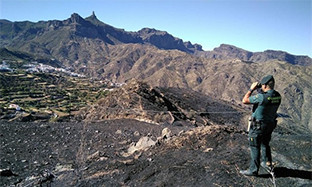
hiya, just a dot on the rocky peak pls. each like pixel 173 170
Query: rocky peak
pixel 225 51
pixel 282 56
pixel 164 40
pixel 196 47
pixel 151 31
pixel 149 34
pixel 226 47
pixel 75 18
pixel 188 44
pixel 93 19
pixel 93 15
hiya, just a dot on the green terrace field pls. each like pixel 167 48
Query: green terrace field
pixel 54 95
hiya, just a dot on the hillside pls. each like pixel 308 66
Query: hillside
pixel 45 96
pixel 95 49
pixel 223 79
pixel 140 101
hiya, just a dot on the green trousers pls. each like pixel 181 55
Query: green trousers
pixel 259 147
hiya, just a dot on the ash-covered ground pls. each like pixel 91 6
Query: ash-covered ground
pixel 132 153
pixel 201 143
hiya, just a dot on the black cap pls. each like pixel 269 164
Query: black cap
pixel 266 79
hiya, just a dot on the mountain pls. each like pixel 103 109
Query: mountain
pixel 225 51
pixel 60 40
pixel 223 79
pixel 95 49
pixel 54 38
pixel 164 40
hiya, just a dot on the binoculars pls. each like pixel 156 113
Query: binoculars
pixel 258 85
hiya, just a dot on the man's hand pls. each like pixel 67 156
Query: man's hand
pixel 248 94
pixel 253 86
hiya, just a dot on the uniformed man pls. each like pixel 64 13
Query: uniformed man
pixel 263 123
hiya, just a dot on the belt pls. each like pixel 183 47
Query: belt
pixel 256 124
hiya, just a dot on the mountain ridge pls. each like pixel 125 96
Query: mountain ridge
pixel 225 51
pixel 91 27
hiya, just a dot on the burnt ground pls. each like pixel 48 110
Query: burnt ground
pixel 93 154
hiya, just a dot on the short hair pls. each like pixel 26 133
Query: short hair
pixel 271 84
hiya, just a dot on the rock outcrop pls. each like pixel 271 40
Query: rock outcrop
pixel 136 100
pixel 140 101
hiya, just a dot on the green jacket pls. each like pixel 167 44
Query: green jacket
pixel 268 104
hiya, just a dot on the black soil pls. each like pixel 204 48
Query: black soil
pixel 91 154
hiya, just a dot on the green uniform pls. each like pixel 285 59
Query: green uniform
pixel 265 121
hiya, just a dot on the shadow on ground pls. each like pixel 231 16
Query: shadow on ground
pixel 294 173
pixel 283 172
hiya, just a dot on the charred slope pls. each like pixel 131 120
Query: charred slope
pixel 91 154
pixel 137 100
pixel 80 154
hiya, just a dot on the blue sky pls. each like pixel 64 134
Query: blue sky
pixel 253 25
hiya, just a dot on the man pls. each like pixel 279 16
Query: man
pixel 263 123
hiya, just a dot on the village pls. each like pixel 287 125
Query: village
pixel 35 67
